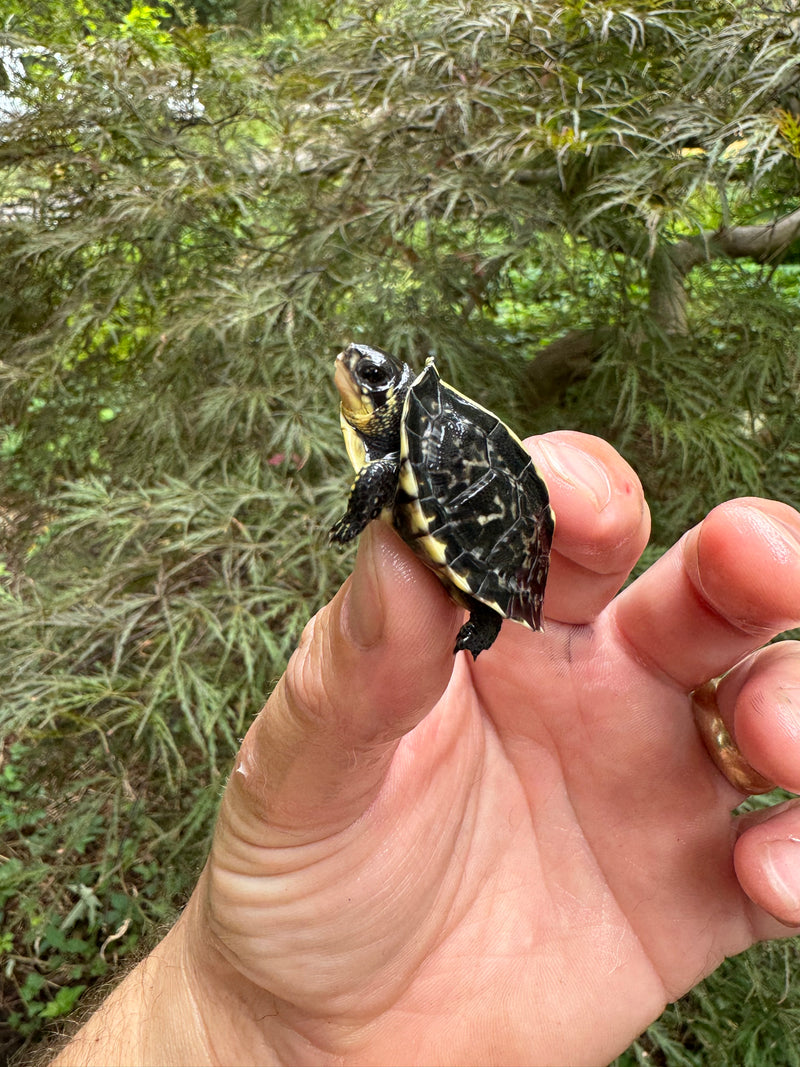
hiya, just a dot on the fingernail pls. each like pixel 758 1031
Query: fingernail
pixel 580 470
pixel 782 868
pixel 363 613
pixel 780 535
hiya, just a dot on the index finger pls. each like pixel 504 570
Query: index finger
pixel 602 522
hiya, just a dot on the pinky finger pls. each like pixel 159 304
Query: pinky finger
pixel 767 862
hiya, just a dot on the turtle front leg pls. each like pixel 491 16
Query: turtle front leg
pixel 373 490
pixel 479 631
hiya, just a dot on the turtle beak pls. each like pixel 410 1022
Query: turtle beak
pixel 355 406
pixel 343 379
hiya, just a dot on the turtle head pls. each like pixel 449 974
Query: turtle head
pixel 372 385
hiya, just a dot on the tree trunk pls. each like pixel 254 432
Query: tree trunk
pixel 667 293
pixel 562 362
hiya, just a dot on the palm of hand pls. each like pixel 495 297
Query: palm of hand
pixel 525 873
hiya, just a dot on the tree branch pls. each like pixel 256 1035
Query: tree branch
pixel 569 359
pixel 761 243
pixel 670 264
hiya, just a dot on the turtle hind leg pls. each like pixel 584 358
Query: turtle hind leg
pixel 373 490
pixel 479 631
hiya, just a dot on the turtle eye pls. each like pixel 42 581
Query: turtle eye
pixel 374 374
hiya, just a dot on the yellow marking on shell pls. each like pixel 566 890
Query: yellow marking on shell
pixel 428 547
pixel 416 521
pixel 457 580
pixel 435 551
pixel 408 483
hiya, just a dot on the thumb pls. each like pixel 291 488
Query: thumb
pixel 368 668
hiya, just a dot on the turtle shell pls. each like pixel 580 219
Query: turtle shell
pixel 471 502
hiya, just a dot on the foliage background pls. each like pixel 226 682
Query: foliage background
pixel 587 211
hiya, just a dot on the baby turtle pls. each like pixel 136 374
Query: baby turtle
pixel 455 482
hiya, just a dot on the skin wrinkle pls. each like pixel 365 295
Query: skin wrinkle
pixel 772 524
pixel 221 1057
pixel 284 858
pixel 759 701
pixel 586 568
pixel 450 929
pixel 736 624
pixel 759 830
pixel 451 892
pixel 311 689
pixel 553 754
pixel 787 697
pixel 572 635
pixel 305 964
pixel 639 656
pixel 463 842
pixel 302 689
pixel 598 546
pixel 462 821
pixel 281 767
pixel 731 939
pixel 363 611
pixel 694 575
pixel 753 914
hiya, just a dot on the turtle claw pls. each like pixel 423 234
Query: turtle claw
pixel 373 490
pixel 479 632
pixel 344 531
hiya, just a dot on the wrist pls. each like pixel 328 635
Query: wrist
pixel 153 1016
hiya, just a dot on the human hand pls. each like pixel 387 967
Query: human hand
pixel 522 859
